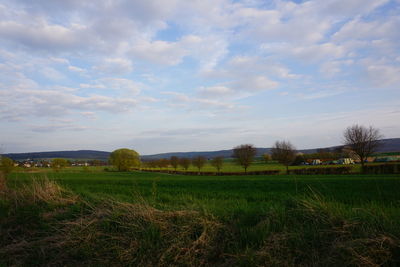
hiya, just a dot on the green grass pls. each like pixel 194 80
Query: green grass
pixel 231 166
pixel 237 220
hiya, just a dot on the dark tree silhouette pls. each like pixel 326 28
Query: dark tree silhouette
pixel 185 163
pixel 174 162
pixel 199 162
pixel 217 163
pixel 362 140
pixel 244 155
pixel 284 152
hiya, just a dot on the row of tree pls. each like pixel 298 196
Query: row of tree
pixel 175 162
pixel 360 140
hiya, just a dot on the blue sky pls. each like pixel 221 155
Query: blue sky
pixel 175 75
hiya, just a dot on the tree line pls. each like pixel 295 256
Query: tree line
pixel 175 162
pixel 359 140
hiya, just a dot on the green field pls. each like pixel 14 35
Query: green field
pixel 202 220
pixel 258 165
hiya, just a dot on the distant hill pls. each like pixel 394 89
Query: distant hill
pixel 388 145
pixel 78 154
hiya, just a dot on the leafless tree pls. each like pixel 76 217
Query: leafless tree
pixel 199 162
pixel 362 140
pixel 217 163
pixel 162 163
pixel 284 152
pixel 174 162
pixel 244 155
pixel 185 163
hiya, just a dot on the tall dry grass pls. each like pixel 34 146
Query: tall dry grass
pixel 3 183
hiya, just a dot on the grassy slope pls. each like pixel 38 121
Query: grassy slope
pixel 278 220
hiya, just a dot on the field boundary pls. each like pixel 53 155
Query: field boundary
pixel 266 172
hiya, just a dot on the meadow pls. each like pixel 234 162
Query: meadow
pixel 93 217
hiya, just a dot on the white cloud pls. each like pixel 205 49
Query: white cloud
pixel 51 73
pixel 92 85
pixel 254 84
pixel 121 84
pixel 76 69
pixel 358 29
pixel 162 52
pixel 193 103
pixel 331 68
pixel 253 64
pixel 114 66
pixel 57 127
pixel 383 75
pixel 346 8
pixel 215 53
pixel 207 50
pixel 215 91
pixel 41 35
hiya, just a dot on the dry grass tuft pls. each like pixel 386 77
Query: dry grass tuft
pixel 41 190
pixel 138 234
pixel 111 233
pixel 354 242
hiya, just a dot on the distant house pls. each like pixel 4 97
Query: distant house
pixel 345 161
pixel 316 162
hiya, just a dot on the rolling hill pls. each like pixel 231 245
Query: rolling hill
pixel 388 145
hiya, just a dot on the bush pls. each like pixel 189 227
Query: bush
pixel 327 170
pixel 267 172
pixel 6 165
pixel 382 169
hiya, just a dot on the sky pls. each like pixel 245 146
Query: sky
pixel 178 75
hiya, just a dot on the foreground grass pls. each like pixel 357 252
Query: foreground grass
pixel 149 219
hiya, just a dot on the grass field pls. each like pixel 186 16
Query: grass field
pixel 258 165
pixel 140 218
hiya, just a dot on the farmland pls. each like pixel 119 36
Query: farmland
pixel 230 165
pixel 236 220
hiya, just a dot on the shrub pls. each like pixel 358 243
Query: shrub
pixel 124 159
pixel 327 170
pixel 6 165
pixel 382 169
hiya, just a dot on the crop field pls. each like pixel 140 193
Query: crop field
pixel 92 217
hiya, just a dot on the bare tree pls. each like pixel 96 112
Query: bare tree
pixel 174 162
pixel 199 162
pixel 185 163
pixel 362 140
pixel 162 163
pixel 217 163
pixel 284 152
pixel 244 155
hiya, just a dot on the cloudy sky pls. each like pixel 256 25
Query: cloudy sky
pixel 178 75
